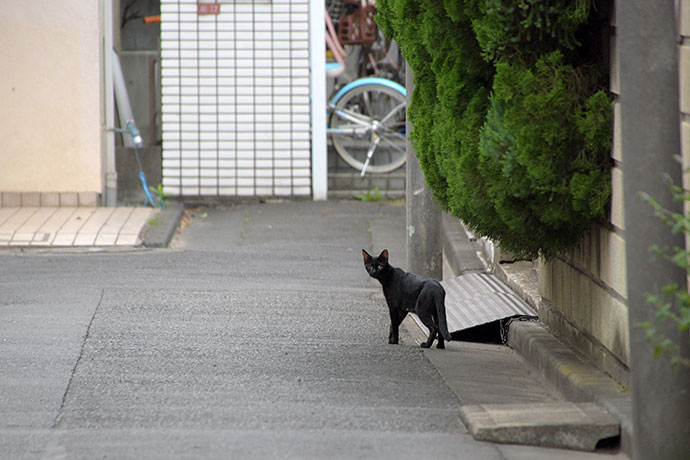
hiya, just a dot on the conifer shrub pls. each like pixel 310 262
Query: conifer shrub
pixel 510 120
pixel 527 29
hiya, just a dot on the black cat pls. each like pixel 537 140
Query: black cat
pixel 407 292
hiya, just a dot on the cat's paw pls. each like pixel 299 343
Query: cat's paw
pixel 393 341
pixel 440 346
pixel 425 345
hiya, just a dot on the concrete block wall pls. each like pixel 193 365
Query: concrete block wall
pixel 584 292
pixel 583 300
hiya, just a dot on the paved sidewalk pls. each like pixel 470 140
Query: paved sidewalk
pixel 72 226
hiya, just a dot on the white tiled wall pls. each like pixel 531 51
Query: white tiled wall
pixel 236 107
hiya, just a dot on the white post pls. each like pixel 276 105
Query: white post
pixel 317 53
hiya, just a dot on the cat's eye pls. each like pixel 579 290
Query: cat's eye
pixel 380 267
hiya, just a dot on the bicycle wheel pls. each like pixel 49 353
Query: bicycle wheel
pixel 368 122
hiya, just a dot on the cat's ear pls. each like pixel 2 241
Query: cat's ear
pixel 384 256
pixel 366 256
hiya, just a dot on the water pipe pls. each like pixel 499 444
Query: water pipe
pixel 124 108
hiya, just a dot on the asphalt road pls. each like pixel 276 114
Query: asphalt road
pixel 257 335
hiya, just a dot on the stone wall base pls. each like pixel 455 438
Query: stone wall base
pixel 49 199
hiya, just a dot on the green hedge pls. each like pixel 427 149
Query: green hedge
pixel 510 117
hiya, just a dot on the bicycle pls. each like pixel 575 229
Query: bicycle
pixel 366 117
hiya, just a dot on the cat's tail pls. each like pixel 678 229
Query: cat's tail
pixel 440 301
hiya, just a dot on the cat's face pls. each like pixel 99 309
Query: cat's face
pixel 375 266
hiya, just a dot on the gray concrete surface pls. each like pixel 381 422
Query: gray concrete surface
pixel 562 424
pixel 158 232
pixel 258 335
pixel 573 376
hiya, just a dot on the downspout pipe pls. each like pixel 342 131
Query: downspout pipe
pixel 110 171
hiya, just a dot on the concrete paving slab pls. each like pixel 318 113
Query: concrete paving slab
pixel 89 232
pixel 129 233
pixel 17 218
pixel 72 226
pixel 563 425
pixel 68 232
pixel 25 233
pixel 39 235
pixel 46 233
pixel 127 240
pixel 136 220
pixel 111 228
pixel 6 213
pixel 464 365
pixel 5 238
pixel 13 222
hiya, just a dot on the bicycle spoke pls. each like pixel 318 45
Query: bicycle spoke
pixel 395 110
pixel 348 130
pixel 366 103
pixel 352 116
pixel 393 133
pixel 395 145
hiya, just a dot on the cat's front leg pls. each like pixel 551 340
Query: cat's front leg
pixel 392 336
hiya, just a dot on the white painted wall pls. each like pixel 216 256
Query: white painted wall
pixel 50 96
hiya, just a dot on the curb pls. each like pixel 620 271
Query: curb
pixel 559 425
pixel 572 376
pixel 461 252
pixel 160 234
pixel 575 378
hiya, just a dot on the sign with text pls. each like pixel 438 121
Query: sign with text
pixel 208 8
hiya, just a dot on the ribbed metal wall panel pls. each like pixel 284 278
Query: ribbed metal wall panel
pixel 235 98
pixel 479 298
pixel 474 299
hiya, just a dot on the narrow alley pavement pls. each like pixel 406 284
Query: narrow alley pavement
pixel 257 334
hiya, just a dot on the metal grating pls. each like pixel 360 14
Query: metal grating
pixel 235 98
